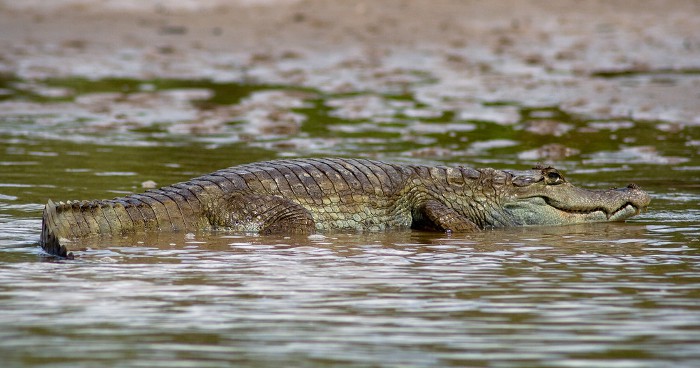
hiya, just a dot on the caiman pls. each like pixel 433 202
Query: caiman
pixel 322 195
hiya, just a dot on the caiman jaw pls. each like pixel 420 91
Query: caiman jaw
pixel 628 209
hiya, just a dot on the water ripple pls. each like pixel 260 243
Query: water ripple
pixel 530 298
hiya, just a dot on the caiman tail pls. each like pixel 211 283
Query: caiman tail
pixel 51 233
pixel 153 210
pixel 62 222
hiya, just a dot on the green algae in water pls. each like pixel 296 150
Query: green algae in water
pixel 499 145
pixel 222 93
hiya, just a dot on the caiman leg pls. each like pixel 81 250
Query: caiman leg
pixel 266 214
pixel 441 217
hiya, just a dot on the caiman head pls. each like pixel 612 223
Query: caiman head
pixel 543 197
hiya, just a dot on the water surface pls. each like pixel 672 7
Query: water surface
pixel 605 295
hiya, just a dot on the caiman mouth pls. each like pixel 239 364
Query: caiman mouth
pixel 628 209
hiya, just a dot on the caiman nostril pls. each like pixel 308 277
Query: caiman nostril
pixel 634 186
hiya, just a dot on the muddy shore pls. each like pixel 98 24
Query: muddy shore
pixel 612 59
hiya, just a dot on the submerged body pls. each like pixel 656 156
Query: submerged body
pixel 309 195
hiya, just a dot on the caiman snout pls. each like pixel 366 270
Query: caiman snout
pixel 638 197
pixel 632 199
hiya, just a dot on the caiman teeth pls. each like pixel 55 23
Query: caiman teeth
pixel 637 210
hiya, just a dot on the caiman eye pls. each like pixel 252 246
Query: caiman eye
pixel 554 178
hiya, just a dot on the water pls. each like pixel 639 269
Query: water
pixel 603 295
pixel 599 295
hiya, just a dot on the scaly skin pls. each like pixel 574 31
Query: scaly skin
pixel 310 195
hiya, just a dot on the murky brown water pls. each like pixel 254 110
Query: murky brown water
pixel 603 295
